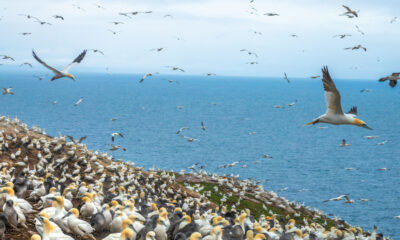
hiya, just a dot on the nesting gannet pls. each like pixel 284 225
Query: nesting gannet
pixel 392 79
pixel 64 73
pixel 7 91
pixel 49 232
pixel 334 113
pixel 76 225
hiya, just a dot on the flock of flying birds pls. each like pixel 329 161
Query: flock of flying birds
pixel 334 114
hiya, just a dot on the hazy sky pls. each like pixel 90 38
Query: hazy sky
pixel 212 33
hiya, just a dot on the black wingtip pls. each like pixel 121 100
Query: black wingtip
pixel 353 110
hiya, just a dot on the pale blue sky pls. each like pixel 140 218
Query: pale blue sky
pixel 213 32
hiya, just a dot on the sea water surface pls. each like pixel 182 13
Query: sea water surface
pixel 307 161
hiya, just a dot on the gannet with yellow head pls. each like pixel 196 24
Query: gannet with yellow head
pixel 64 73
pixel 334 113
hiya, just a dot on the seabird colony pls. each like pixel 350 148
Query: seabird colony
pixel 52 188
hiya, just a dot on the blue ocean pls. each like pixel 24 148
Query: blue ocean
pixel 242 125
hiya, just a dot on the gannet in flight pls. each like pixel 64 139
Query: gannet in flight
pixel 79 101
pixel 63 73
pixel 334 113
pixel 392 79
pixel 7 91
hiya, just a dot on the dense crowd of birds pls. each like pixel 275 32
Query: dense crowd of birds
pixel 52 188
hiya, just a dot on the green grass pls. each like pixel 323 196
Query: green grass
pixel 256 208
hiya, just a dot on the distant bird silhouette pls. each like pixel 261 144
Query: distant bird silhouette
pixel 96 51
pixel 359 30
pixel 58 17
pixel 117 23
pixel 365 90
pixel 25 64
pixel 286 77
pixel 145 76
pixel 113 32
pixel 78 7
pixel 79 101
pixel 74 141
pixel 393 20
pixel 116 134
pixel 181 129
pixel 248 52
pixel 356 48
pixel 271 14
pixel 342 35
pixel 7 57
pixel 175 68
pixel 349 13
pixel 344 144
pixel 98 6
pixel 203 127
pixel 41 22
pixel 157 49
pixel 7 91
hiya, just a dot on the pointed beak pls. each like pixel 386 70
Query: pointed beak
pixel 67 215
pixel 366 126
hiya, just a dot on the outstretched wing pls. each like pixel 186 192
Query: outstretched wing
pixel 76 61
pixel 332 95
pixel 347 8
pixel 44 64
pixel 71 138
pixel 383 79
pixel 81 139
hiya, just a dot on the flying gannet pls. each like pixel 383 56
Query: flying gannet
pixel 334 113
pixel 63 73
